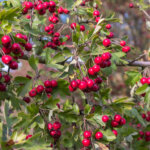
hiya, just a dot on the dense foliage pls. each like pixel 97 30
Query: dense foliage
pixel 70 105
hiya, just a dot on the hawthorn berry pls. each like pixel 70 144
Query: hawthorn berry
pixel 90 83
pixel 6 78
pixel 86 142
pixel 91 71
pixel 108 26
pixel 13 65
pixel 143 80
pixel 98 135
pixel 40 88
pixel 131 5
pixel 126 49
pixel 56 125
pixel 96 13
pixel 122 43
pixel 117 118
pixel 6 41
pixel 96 68
pixel 52 4
pixel 97 19
pixel 82 85
pixel 28 46
pixel 74 84
pixel 49 126
pixel 105 118
pixel 98 60
pixel 122 121
pixel 115 132
pixel 71 89
pixel 54 83
pixel 6 59
pixel 16 48
pixel 148 81
pixel 28 136
pixel 66 11
pixel 48 89
pixel 106 42
pixel 87 134
pixel 114 123
pixel 73 26
pixel 47 83
pixel 98 80
pixel 32 93
pixel 82 28
pixel 60 10
pixel 27 99
pixel 2 87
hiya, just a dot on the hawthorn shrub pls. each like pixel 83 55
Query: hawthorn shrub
pixel 75 40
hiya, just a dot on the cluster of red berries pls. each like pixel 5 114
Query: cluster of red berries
pixel 55 129
pixel 111 34
pixel 86 85
pixel 146 116
pixel 145 80
pixel 102 61
pixel 15 50
pixel 74 25
pixel 4 80
pixel 145 136
pixel 125 48
pixel 48 87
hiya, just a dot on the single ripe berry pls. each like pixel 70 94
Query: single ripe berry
pixel 122 121
pixel 48 89
pixel 126 49
pixel 28 136
pixel 131 5
pixel 147 133
pixel 66 11
pixel 40 88
pixel 98 60
pixel 6 41
pixel 32 93
pixel 115 132
pixel 16 48
pixel 27 99
pixel 74 84
pixel 52 4
pixel 90 83
pixel 96 68
pixel 57 34
pixel 6 59
pixel 53 133
pixel 105 118
pixel 82 85
pixel 98 135
pixel 6 50
pixel 97 19
pixel 114 123
pixel 106 42
pixel 122 43
pixel 6 78
pixel 54 83
pixel 56 125
pixel 60 10
pixel 47 83
pixel 98 80
pixel 86 142
pixel 143 80
pixel 73 26
pixel 28 16
pixel 91 71
pixel 51 26
pixel 2 87
pixel 117 118
pixel 82 28
pixel 68 37
pixel 49 126
pixel 96 13
pixel 143 116
pixel 110 35
pixel 71 89
pixel 28 46
pixel 40 7
pixel 141 133
pixel 108 26
pixel 29 5
pixel 13 65
pixel 46 5
pixel 148 81
pixel 106 56
pixel 87 134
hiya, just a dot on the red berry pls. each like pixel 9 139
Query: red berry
pixel 53 133
pixel 98 80
pixel 131 5
pixel 28 16
pixel 98 60
pixel 6 41
pixel 71 89
pixel 57 34
pixel 105 118
pixel 106 42
pixel 25 37
pixel 16 48
pixel 147 133
pixel 52 4
pixel 47 83
pixel 13 65
pixel 56 125
pixel 68 37
pixel 24 11
pixel 97 19
pixel 85 79
pixel 115 132
pixel 40 88
pixel 49 126
pixel 148 80
pixel 96 13
pixel 27 99
pixel 139 138
pixel 98 135
pixel 73 26
pixel 126 49
pixel 51 26
pixel 87 134
pixel 143 80
pixel 32 93
pixel 139 125
pixel 86 142
pixel 28 136
pixel 82 85
pixel 0 75
pixel 114 123
pixel 58 133
pixel 108 26
pixel 106 56
pixel 6 59
pixel 141 133
pixel 90 83
pixel 47 29
pixel 111 35
pixel 95 88
pixel 2 87
pixel 91 71
pixel 147 138
pixel 96 68
pixel 29 5
pixel 60 10
pixel 6 50
pixel 122 43
pixel 28 46
pixel 48 89
pixel 66 11
pixel 82 28
pixel 117 118
pixel 46 5
pixel 6 78
pixel 74 84
pixel 40 7
pixel 54 83
pixel 122 121
pixel 143 116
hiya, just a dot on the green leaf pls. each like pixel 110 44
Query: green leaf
pixel 142 89
pixel 21 80
pixel 15 3
pixel 51 103
pixel 108 135
pixel 33 62
pixel 87 109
